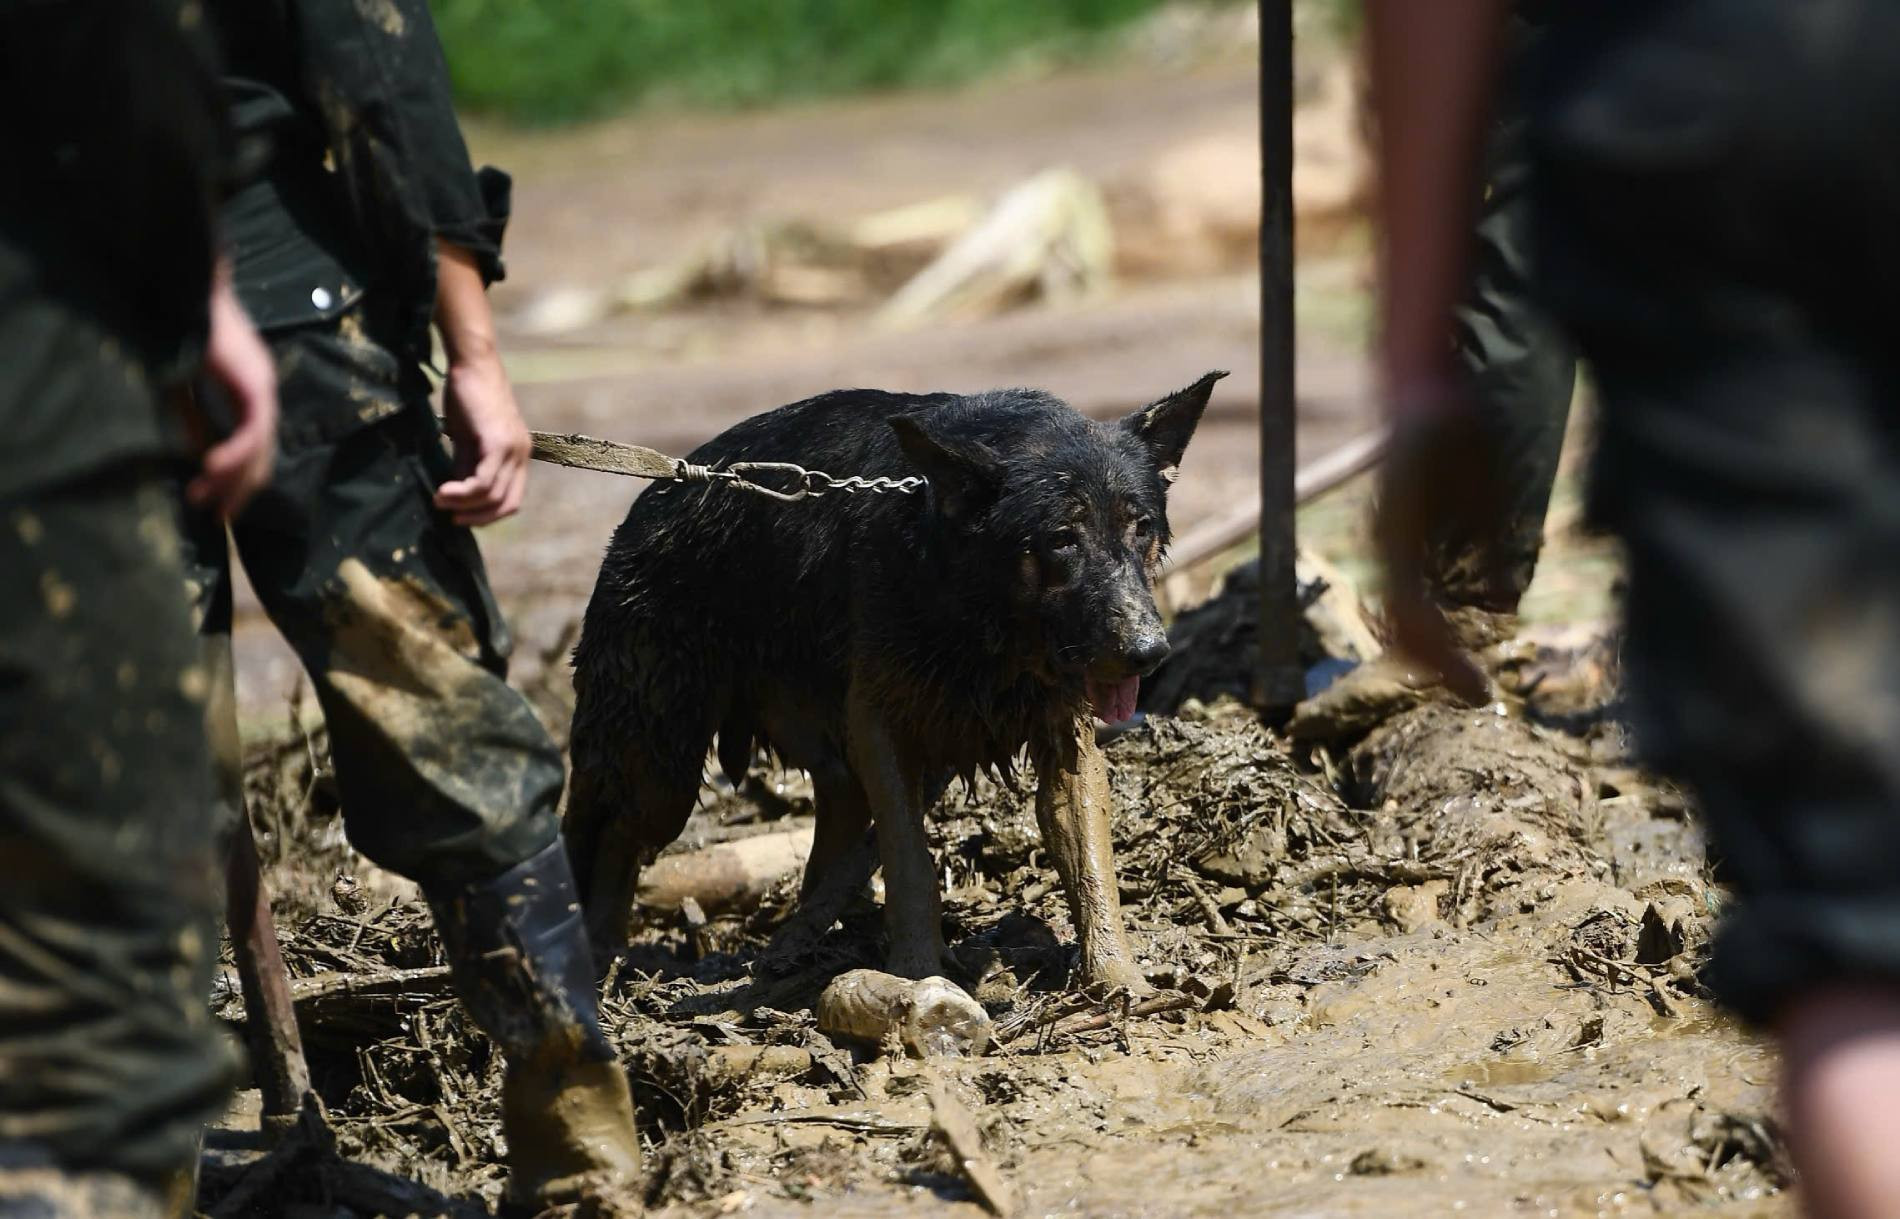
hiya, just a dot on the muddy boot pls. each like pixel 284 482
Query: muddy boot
pixel 179 1191
pixel 522 965
pixel 1365 696
pixel 1477 630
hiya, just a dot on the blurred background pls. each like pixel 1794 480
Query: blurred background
pixel 722 206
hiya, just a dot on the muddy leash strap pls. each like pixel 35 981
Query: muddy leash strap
pixel 612 457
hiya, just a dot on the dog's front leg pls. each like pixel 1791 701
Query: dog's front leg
pixel 913 916
pixel 1072 809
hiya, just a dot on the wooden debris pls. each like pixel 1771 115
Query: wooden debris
pixel 731 876
pixel 1048 236
pixel 956 1126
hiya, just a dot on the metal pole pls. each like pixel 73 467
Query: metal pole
pixel 1279 683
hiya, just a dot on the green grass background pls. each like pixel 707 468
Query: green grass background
pixel 547 61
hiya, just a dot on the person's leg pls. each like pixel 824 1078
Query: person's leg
pixel 271 1035
pixel 1520 370
pixel 1841 1057
pixel 444 772
pixel 110 1061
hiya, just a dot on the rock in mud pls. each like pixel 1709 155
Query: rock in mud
pixel 931 1018
pixel 1445 758
pixel 1411 907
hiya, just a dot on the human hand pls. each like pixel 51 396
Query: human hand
pixel 491 444
pixel 491 440
pixel 235 357
pixel 1440 470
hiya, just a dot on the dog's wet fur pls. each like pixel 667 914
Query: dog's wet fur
pixel 885 642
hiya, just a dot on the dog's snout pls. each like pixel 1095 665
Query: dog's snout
pixel 1145 654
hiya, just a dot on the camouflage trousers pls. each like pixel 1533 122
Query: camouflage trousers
pixel 109 890
pixel 444 772
pixel 1739 324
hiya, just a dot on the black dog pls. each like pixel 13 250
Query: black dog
pixel 884 642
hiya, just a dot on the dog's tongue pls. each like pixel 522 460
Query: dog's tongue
pixel 1114 701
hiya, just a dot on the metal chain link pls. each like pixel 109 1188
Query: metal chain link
pixel 636 461
pixel 806 484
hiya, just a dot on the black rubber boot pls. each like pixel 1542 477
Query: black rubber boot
pixel 524 970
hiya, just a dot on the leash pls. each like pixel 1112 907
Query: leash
pixel 580 452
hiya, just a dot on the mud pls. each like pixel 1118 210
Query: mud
pixel 1453 969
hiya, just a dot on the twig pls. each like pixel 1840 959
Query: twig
pixel 957 1127
pixel 1216 923
pixel 1496 1106
pixel 1614 971
pixel 1147 1007
pixel 325 986
pixel 862 1123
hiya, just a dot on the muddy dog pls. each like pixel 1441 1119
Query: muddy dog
pixel 886 643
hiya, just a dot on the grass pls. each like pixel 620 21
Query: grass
pixel 542 61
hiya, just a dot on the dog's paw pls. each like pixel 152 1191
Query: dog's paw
pixel 1116 974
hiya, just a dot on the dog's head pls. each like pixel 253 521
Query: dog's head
pixel 1064 520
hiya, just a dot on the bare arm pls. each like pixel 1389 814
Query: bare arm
pixel 1432 65
pixel 491 440
pixel 1432 70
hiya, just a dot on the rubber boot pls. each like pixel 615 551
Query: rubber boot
pixel 178 1192
pixel 519 953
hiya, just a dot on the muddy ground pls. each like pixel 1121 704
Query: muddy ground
pixel 1448 967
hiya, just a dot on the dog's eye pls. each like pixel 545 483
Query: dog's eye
pixel 1064 540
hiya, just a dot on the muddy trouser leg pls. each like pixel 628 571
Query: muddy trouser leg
pixel 444 772
pixel 1762 660
pixel 1522 369
pixel 1740 326
pixel 110 1062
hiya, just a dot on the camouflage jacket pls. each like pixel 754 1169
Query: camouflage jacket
pixel 346 112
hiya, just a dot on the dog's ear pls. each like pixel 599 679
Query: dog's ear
pixel 1166 425
pixel 964 474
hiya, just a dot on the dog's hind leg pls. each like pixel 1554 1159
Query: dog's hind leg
pixel 894 789
pixel 843 857
pixel 619 816
pixel 1072 810
pixel 842 854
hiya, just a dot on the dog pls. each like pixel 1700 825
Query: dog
pixel 885 643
